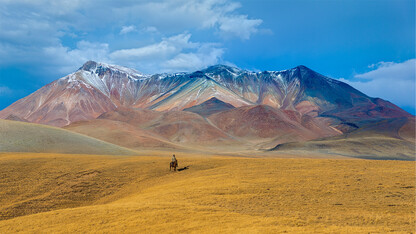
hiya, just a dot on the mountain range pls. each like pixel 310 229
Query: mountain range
pixel 217 106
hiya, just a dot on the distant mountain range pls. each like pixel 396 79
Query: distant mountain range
pixel 97 88
pixel 218 105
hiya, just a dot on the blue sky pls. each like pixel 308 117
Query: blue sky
pixel 368 44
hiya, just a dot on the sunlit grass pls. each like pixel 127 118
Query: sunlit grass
pixel 81 193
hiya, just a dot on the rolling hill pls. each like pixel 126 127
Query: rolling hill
pixel 27 137
pixel 390 139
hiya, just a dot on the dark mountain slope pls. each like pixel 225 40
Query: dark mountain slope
pixel 210 107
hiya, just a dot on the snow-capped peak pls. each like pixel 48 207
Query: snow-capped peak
pixel 93 66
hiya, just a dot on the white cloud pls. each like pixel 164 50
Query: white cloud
pixel 28 27
pixel 176 53
pixel 41 22
pixel 150 29
pixel 171 54
pixel 127 29
pixel 167 47
pixel 58 36
pixel 391 70
pixel 5 90
pixel 392 81
pixel 205 55
pixel 239 26
pixel 202 14
pixel 67 60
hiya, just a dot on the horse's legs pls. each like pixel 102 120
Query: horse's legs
pixel 173 165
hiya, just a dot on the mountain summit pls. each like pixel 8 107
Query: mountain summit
pixel 95 67
pixel 97 88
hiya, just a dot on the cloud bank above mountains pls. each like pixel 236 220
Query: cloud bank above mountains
pixel 66 33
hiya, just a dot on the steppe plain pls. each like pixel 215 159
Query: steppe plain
pixel 49 193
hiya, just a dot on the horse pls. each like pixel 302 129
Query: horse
pixel 173 165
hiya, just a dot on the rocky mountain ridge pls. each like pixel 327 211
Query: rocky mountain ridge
pixel 97 88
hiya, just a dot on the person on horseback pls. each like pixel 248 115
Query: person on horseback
pixel 174 163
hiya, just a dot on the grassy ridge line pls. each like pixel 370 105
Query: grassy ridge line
pixel 28 137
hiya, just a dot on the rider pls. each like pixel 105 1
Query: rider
pixel 174 159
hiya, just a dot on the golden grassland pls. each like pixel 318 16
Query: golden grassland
pixel 91 193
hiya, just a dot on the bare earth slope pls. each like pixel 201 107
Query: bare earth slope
pixel 387 139
pixel 27 137
pixel 148 129
pixel 61 102
pixel 121 133
pixel 87 193
pixel 243 127
pixel 15 118
pixel 210 107
pixel 269 124
pixel 186 128
pixel 175 126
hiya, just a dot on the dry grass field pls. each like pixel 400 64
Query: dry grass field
pixel 46 193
